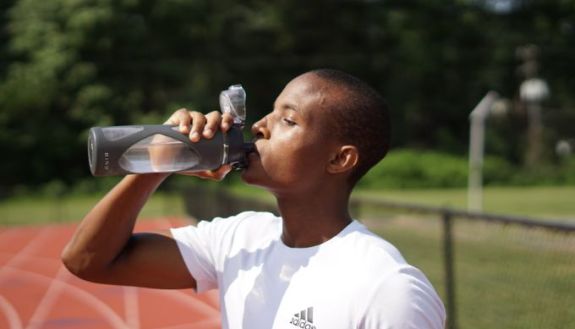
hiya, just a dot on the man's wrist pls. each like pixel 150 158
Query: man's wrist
pixel 153 179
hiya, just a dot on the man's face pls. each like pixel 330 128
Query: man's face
pixel 293 141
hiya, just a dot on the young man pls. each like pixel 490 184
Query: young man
pixel 313 267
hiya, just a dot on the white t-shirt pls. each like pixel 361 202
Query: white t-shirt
pixel 354 280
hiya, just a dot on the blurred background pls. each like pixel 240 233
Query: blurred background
pixel 68 65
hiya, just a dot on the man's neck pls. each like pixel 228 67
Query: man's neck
pixel 314 218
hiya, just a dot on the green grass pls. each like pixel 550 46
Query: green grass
pixel 555 202
pixel 547 202
pixel 41 210
pixel 506 277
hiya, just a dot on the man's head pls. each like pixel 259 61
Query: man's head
pixel 325 125
pixel 360 118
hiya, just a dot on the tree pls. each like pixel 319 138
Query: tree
pixel 74 64
pixel 80 63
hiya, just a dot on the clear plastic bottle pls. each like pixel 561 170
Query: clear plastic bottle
pixel 121 150
pixel 140 149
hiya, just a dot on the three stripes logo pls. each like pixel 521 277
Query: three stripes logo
pixel 303 319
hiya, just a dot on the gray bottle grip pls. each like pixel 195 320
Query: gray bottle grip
pixel 104 154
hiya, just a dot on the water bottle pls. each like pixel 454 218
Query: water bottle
pixel 140 149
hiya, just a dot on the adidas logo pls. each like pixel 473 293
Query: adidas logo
pixel 303 319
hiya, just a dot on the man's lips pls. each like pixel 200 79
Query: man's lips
pixel 253 151
pixel 249 147
pixel 254 147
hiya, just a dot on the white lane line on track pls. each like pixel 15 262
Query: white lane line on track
pixel 131 307
pixel 20 257
pixel 17 259
pixel 11 315
pixel 47 302
pixel 80 294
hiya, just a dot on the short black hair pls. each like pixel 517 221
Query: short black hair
pixel 361 118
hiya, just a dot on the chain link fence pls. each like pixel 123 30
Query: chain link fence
pixel 492 271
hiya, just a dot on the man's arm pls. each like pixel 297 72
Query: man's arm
pixel 104 248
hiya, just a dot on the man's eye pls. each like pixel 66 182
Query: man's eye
pixel 289 122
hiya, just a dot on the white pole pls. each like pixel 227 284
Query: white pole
pixel 475 190
pixel 476 146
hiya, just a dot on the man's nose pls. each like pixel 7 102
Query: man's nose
pixel 260 129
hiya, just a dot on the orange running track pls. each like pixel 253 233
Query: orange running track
pixel 36 290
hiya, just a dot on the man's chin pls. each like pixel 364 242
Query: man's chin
pixel 249 173
pixel 250 176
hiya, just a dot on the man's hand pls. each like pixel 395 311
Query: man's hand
pixel 197 126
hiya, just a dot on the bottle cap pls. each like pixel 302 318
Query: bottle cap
pixel 233 101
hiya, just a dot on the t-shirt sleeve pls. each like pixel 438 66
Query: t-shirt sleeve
pixel 406 300
pixel 204 246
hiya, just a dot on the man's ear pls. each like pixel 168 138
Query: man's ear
pixel 344 159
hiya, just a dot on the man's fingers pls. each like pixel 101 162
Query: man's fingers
pixel 198 123
pixel 226 122
pixel 213 121
pixel 182 119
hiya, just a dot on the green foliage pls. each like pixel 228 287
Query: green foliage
pixel 567 169
pixel 497 171
pixel 72 64
pixel 562 173
pixel 409 169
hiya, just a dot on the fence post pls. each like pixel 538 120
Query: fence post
pixel 449 270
